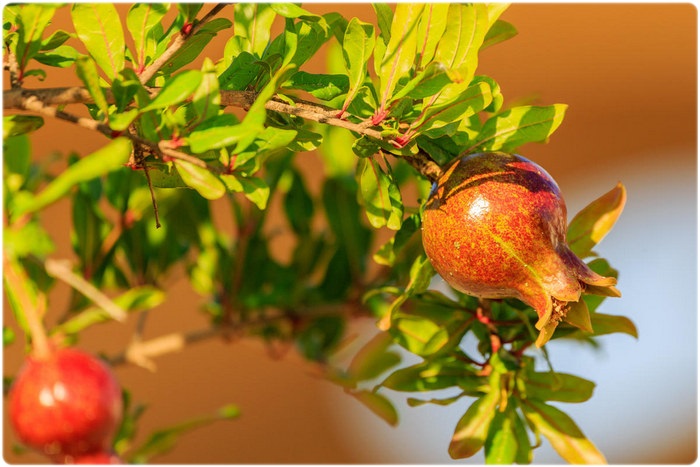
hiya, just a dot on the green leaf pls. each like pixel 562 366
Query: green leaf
pixel 373 358
pixel 358 44
pixel 14 125
pixel 549 386
pixel 324 87
pixel 458 48
pixel 432 26
pixel 472 429
pixel 99 27
pixel 55 40
pixel 467 103
pixel 63 56
pixel 609 324
pixel 163 440
pixel 563 434
pixel 88 74
pixel 31 21
pixel 106 159
pixel 501 445
pixel 141 20
pixel 16 161
pixel 206 98
pixel 240 74
pixel 384 19
pixel 298 204
pixel 593 222
pixel 253 21
pixel 500 31
pixel 517 126
pixel 400 53
pixel 136 299
pixel 201 179
pixel 427 83
pixel 432 375
pixel 291 10
pixel 176 90
pixel 218 137
pixel 578 315
pixel 8 336
pixel 375 192
pixel 255 189
pixel 189 10
pixel 378 404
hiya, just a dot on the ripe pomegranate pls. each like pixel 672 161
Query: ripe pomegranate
pixel 65 405
pixel 100 457
pixel 494 226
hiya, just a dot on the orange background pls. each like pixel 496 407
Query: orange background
pixel 629 75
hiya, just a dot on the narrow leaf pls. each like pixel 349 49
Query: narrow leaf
pixel 141 20
pixel 562 387
pixel 609 324
pixel 253 21
pixel 88 74
pixel 501 443
pixel 373 358
pixel 110 157
pixel 32 21
pixel 13 125
pixel 358 44
pixel 459 46
pixel 564 435
pixel 593 222
pixel 98 27
pixel 400 53
pixel 432 26
pixel 499 32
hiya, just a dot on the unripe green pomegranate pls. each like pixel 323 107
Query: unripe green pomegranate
pixel 494 226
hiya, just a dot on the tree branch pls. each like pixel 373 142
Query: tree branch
pixel 39 100
pixel 177 44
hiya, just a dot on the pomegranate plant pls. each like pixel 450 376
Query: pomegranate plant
pixel 400 107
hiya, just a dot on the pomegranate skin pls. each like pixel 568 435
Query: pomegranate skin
pixel 65 405
pixel 494 226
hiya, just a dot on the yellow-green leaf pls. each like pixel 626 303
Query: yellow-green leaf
pixel 378 404
pixel 100 29
pixel 563 434
pixel 472 429
pixel 593 222
pixel 201 179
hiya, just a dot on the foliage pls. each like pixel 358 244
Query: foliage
pixel 401 99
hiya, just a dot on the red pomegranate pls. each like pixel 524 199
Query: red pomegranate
pixel 65 405
pixel 494 226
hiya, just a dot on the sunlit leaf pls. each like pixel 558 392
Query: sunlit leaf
pixel 201 179
pixel 593 222
pixel 252 21
pixel 563 434
pixel 32 20
pixel 471 431
pixel 14 125
pixel 499 32
pixel 549 386
pixel 176 90
pixel 358 44
pixel 517 126
pixel 373 358
pixel 459 46
pixel 501 444
pixel 432 25
pixel 255 189
pixel 98 27
pixel 609 324
pixel 87 72
pixel 141 20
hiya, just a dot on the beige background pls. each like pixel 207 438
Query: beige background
pixel 629 75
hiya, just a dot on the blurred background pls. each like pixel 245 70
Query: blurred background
pixel 629 75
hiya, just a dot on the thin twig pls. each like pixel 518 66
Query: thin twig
pixel 62 270
pixel 177 44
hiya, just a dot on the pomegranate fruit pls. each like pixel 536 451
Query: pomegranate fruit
pixel 494 226
pixel 65 405
pixel 100 457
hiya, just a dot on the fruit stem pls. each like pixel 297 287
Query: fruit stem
pixel 17 283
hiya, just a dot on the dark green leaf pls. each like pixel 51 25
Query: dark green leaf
pixel 241 73
pixel 99 27
pixel 563 434
pixel 106 159
pixel 14 125
pixel 324 87
pixel 517 126
pixel 298 205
